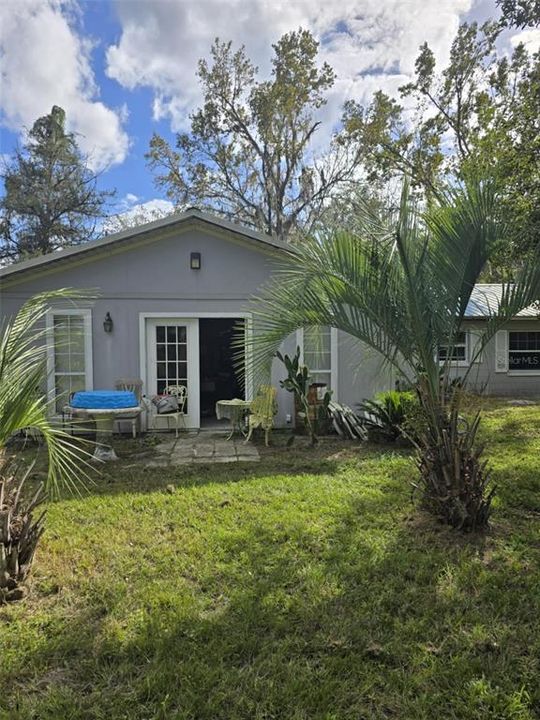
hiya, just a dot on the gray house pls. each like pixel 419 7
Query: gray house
pixel 169 296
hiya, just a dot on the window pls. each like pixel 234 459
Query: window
pixel 524 351
pixel 317 347
pixel 70 354
pixel 459 352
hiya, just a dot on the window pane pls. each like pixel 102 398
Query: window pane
pixel 317 339
pixel 318 360
pixel 160 334
pixel 171 334
pixel 61 362
pixel 525 341
pixel 77 363
pixel 69 356
pixel 458 352
pixel 524 351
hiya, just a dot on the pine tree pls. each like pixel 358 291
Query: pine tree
pixel 51 198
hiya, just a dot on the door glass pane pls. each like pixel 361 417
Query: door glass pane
pixel 171 357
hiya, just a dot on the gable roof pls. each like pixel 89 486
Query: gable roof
pixel 485 299
pixel 190 216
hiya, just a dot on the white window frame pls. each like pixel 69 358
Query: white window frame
pixel 512 373
pixel 86 314
pixel 458 363
pixel 333 370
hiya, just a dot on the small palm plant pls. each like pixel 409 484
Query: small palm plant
pixel 401 285
pixel 297 382
pixel 23 405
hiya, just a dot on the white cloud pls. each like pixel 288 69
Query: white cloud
pixel 127 202
pixel 529 38
pixel 44 62
pixel 370 43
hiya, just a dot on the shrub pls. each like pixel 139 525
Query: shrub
pixel 388 417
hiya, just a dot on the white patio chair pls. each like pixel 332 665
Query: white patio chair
pixel 133 385
pixel 180 393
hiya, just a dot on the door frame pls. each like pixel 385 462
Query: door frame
pixel 144 316
pixel 191 325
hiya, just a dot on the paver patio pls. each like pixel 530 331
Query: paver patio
pixel 203 447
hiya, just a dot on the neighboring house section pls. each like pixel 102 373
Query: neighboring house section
pixel 510 363
pixel 171 294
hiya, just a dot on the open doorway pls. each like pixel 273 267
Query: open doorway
pixel 218 375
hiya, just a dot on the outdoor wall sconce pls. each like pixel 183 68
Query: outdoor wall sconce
pixel 195 261
pixel 108 323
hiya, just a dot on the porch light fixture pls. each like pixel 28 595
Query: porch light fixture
pixel 195 260
pixel 108 323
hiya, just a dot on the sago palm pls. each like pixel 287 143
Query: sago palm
pixel 401 285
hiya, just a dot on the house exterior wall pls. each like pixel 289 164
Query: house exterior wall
pixel 361 373
pixel 483 376
pixel 157 278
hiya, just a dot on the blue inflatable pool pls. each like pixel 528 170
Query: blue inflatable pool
pixel 103 399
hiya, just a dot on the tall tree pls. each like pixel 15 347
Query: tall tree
pixel 478 116
pixel 520 13
pixel 249 154
pixel 51 197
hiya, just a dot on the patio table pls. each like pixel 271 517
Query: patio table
pixel 104 418
pixel 233 410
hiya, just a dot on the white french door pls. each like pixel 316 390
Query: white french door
pixel 172 358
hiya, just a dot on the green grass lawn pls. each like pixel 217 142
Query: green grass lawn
pixel 303 587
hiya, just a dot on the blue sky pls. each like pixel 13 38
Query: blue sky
pixel 123 69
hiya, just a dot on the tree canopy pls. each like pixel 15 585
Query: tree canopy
pixel 478 116
pixel 249 153
pixel 51 197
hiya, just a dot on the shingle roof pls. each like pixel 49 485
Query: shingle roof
pixel 485 299
pixel 125 236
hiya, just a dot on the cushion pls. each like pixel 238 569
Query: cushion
pixel 103 399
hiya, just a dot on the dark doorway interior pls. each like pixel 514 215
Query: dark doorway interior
pixel 217 363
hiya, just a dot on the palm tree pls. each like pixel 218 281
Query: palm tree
pixel 401 285
pixel 23 405
pixel 23 402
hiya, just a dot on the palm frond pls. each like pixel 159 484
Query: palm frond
pixel 23 402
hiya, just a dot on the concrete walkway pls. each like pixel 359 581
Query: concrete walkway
pixel 203 447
